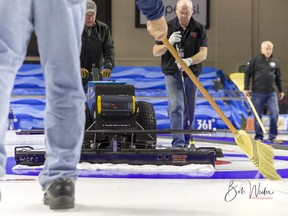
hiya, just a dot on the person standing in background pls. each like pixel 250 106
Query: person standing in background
pixel 97 47
pixel 189 38
pixel 11 119
pixel 264 71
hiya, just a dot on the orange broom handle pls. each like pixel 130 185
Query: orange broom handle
pixel 199 85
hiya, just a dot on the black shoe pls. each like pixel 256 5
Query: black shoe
pixel 191 147
pixel 60 195
pixel 275 141
pixel 259 140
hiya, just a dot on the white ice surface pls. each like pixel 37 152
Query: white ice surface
pixel 22 195
pixel 112 196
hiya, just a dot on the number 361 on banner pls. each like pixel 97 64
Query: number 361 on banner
pixel 205 124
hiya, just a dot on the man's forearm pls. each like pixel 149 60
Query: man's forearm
pixel 200 56
pixel 159 50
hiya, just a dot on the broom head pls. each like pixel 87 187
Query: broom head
pixel 260 154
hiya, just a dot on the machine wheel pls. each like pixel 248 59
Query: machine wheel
pixel 146 118
pixel 88 120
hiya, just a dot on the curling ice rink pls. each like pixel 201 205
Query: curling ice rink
pixel 232 188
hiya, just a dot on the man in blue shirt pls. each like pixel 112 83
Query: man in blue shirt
pixel 58 25
pixel 154 10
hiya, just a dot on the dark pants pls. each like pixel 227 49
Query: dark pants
pixel 271 101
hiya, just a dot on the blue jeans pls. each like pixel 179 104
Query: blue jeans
pixel 58 25
pixel 176 106
pixel 271 100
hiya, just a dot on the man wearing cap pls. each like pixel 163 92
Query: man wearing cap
pixel 97 46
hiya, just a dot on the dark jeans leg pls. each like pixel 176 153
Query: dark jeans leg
pixel 273 108
pixel 258 101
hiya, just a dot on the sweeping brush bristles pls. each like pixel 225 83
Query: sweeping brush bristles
pixel 260 154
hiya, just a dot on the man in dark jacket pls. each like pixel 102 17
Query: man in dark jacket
pixel 265 73
pixel 97 47
pixel 189 38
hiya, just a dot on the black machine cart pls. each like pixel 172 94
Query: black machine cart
pixel 120 129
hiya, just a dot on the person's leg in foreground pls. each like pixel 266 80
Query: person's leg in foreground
pixel 58 25
pixel 15 30
pixel 65 100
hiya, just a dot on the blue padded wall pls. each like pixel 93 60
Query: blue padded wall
pixel 28 96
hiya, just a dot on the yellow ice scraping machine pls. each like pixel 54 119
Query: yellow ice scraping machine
pixel 115 107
